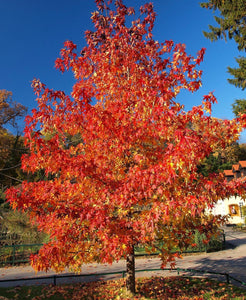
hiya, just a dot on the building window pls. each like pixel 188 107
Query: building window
pixel 234 210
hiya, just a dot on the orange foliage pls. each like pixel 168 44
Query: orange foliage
pixel 131 177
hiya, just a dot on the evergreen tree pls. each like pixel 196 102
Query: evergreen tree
pixel 231 25
pixel 232 21
pixel 239 73
pixel 238 106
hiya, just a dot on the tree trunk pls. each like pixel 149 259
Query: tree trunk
pixel 130 272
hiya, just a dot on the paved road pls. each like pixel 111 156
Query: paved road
pixel 231 261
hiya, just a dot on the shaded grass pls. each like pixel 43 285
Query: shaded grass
pixel 146 288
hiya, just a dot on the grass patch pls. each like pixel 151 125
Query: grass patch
pixel 17 254
pixel 147 288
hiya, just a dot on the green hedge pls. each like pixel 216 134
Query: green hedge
pixel 216 243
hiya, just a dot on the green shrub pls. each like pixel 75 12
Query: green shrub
pixel 216 243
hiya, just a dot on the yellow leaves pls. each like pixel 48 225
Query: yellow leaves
pixel 135 169
pixel 76 71
pixel 177 90
pixel 122 212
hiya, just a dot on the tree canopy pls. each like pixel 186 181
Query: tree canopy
pixel 231 25
pixel 10 110
pixel 11 146
pixel 15 227
pixel 120 154
pixel 239 106
pixel 231 21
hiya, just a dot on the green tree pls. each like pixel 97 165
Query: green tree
pixel 231 25
pixel 238 106
pixel 222 159
pixel 239 73
pixel 242 155
pixel 232 21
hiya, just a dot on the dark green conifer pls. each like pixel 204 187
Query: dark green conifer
pixel 231 25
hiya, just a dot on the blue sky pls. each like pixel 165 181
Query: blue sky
pixel 33 32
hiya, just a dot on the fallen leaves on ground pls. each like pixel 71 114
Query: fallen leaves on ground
pixel 146 288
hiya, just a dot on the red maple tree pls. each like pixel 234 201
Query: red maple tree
pixel 121 155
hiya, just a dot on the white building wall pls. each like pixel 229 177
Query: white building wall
pixel 230 206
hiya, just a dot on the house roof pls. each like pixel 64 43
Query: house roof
pixel 242 163
pixel 228 173
pixel 235 168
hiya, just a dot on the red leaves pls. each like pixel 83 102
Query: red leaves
pixel 119 158
pixel 70 45
pixel 67 57
pixel 208 100
pixel 200 55
pixel 37 86
pixel 155 287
